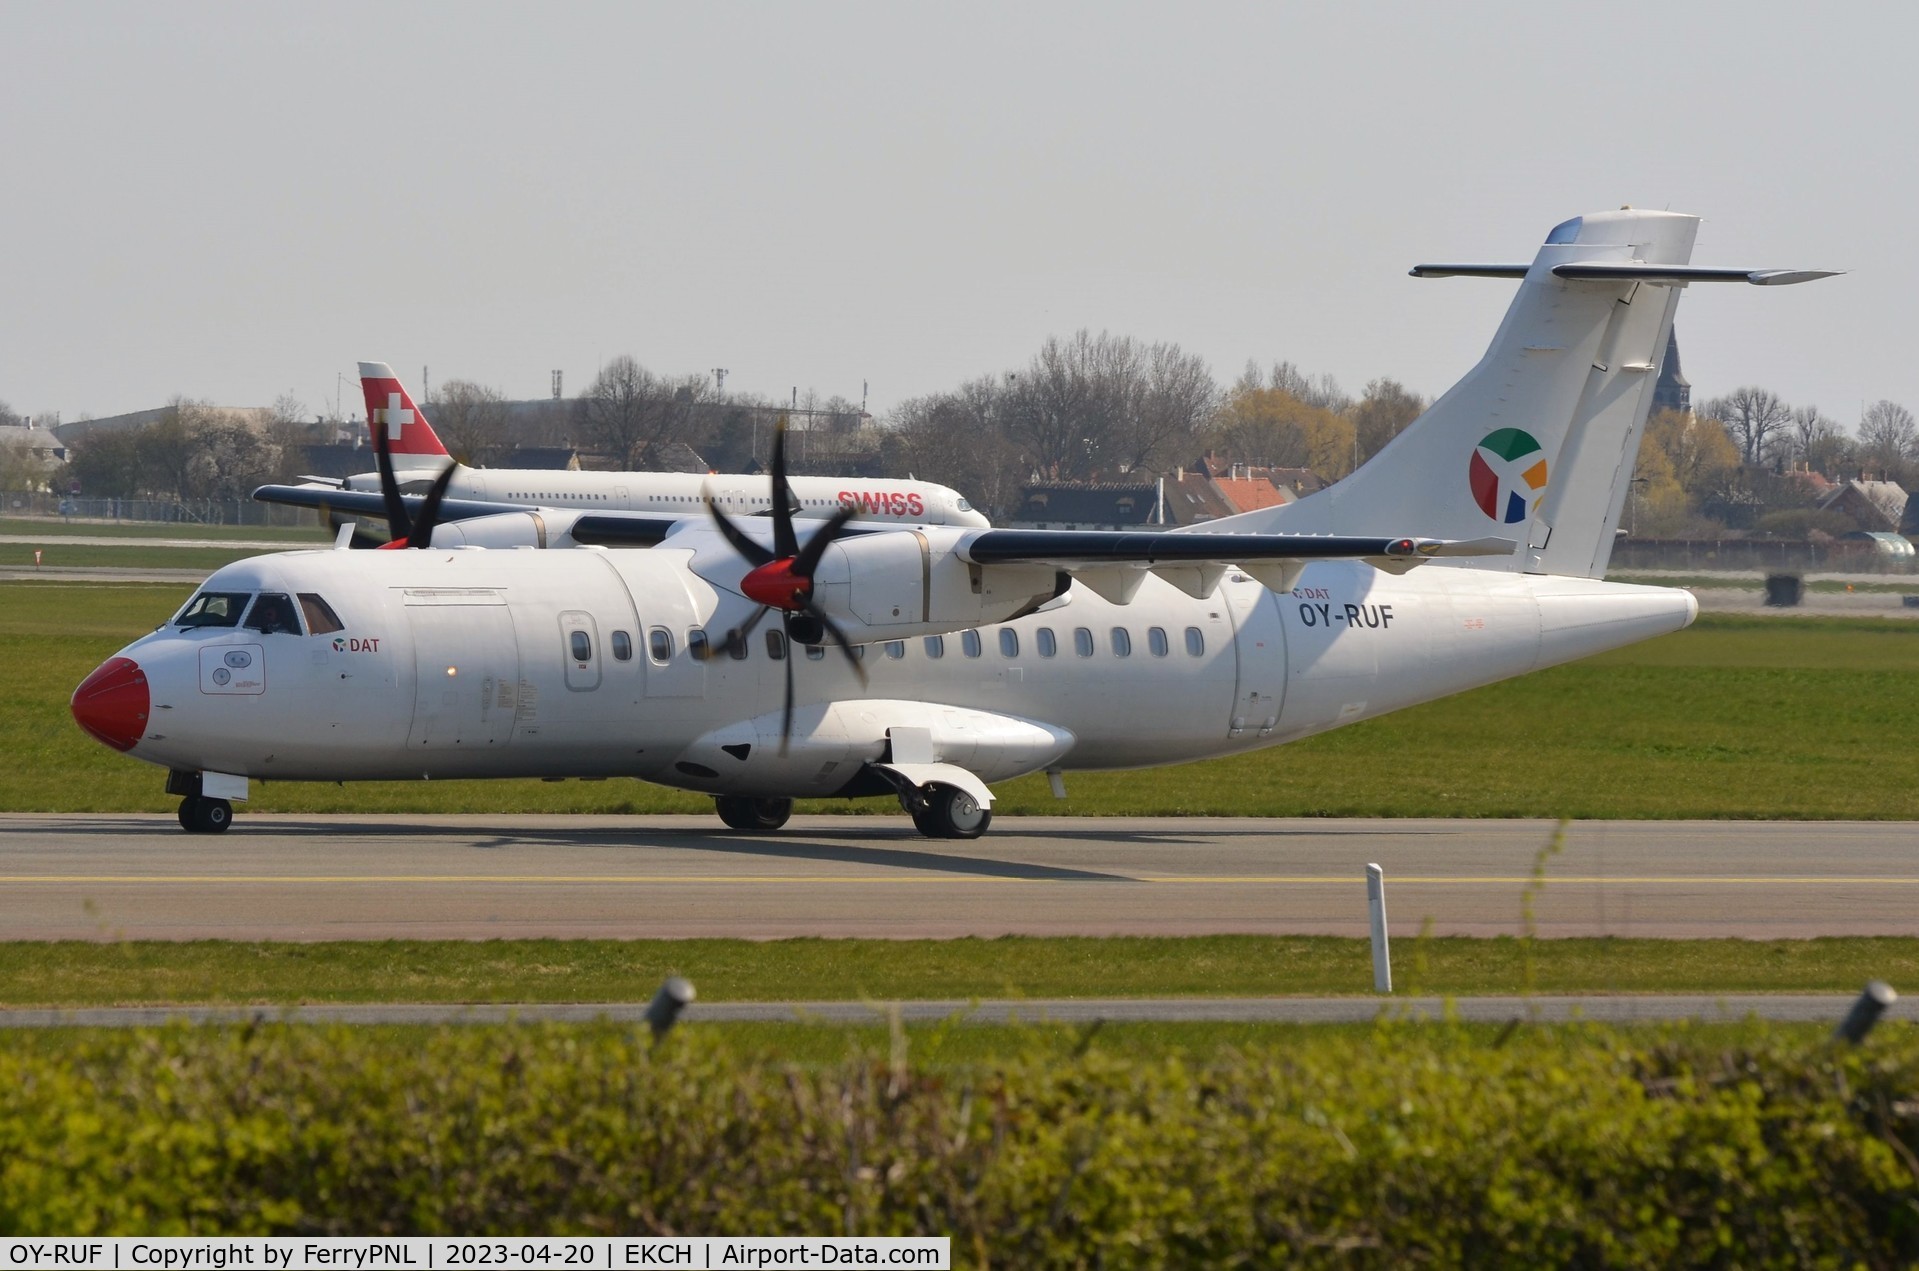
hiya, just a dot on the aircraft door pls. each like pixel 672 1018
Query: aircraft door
pixel 1259 647
pixel 582 652
pixel 466 668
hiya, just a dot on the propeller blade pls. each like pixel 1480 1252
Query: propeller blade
pixel 422 534
pixel 839 637
pixel 755 554
pixel 785 543
pixel 736 638
pixel 809 556
pixel 786 716
pixel 398 524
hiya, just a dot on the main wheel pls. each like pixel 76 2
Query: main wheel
pixel 953 814
pixel 753 814
pixel 201 815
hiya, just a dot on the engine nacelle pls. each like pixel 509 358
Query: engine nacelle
pixel 508 529
pixel 905 583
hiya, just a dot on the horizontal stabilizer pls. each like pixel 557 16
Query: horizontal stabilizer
pixel 1469 271
pixel 1633 271
pixel 1669 275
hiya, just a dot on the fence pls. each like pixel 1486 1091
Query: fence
pixel 162 511
pixel 1837 556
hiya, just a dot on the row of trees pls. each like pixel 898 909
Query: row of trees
pixel 1085 408
pixel 1113 408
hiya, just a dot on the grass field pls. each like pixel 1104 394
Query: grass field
pixel 282 974
pixel 52 528
pixel 1735 717
pixel 57 555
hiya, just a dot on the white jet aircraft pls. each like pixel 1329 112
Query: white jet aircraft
pixel 927 662
pixel 420 457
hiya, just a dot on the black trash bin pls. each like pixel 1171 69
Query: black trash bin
pixel 1784 590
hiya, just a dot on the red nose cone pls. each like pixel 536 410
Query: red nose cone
pixel 112 703
pixel 775 584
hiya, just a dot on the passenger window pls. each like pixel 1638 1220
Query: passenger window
pixel 935 646
pixel 581 645
pixel 1195 641
pixel 1048 646
pixel 622 647
pixel 1083 641
pixel 1122 643
pixel 969 643
pixel 896 648
pixel 213 609
pixel 776 645
pixel 272 614
pixel 1009 642
pixel 660 644
pixel 696 644
pixel 736 646
pixel 1156 641
pixel 814 652
pixel 321 619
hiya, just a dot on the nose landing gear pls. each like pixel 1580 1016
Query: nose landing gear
pixel 947 812
pixel 201 815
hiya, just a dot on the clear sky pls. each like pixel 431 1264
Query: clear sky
pixel 236 201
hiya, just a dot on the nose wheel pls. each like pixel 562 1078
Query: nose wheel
pixel 947 812
pixel 201 815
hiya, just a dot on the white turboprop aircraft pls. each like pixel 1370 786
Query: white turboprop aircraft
pixel 965 656
pixel 419 457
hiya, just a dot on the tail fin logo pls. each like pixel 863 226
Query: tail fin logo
pixel 1508 475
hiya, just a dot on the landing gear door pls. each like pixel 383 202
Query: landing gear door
pixel 1259 645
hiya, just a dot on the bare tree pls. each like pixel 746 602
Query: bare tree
pixel 1819 442
pixel 1383 413
pixel 8 419
pixel 1104 404
pixel 1755 418
pixel 1888 439
pixel 955 438
pixel 630 414
pixel 107 465
pixel 471 421
pixel 169 446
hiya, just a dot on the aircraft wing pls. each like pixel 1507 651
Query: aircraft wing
pixel 605 529
pixel 372 505
pixel 1113 563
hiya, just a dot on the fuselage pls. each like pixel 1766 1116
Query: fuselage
pixel 900 501
pixel 596 663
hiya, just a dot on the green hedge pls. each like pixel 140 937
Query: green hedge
pixel 1566 1146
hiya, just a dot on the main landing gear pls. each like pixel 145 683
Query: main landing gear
pixel 743 813
pixel 201 815
pixel 947 812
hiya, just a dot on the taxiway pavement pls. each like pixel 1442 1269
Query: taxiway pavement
pixel 381 876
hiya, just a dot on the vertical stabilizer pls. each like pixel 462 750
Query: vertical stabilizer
pixel 389 407
pixel 1537 442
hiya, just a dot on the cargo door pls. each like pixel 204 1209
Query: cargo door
pixel 466 668
pixel 1259 649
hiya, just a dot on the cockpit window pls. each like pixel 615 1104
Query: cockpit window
pixel 273 614
pixel 321 620
pixel 213 609
pixel 964 506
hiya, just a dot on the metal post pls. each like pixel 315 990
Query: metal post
pixel 1376 902
pixel 1865 1012
pixel 667 1005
